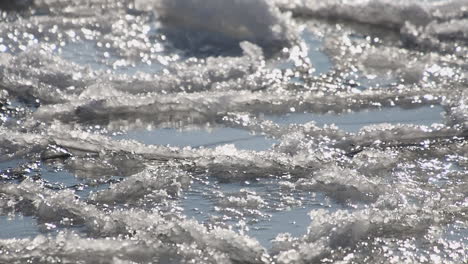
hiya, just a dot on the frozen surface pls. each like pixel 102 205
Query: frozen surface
pixel 234 131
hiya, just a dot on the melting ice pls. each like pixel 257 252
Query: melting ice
pixel 233 131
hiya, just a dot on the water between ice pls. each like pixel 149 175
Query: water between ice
pixel 87 54
pixel 318 58
pixel 242 139
pixel 354 121
pixel 201 203
pixel 22 226
pixel 18 226
pixel 200 138
pixel 198 202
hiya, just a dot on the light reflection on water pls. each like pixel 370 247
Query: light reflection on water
pixel 18 226
pixel 354 121
pixel 241 139
pixel 282 211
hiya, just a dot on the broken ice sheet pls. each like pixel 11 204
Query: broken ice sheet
pixel 404 199
pixel 260 209
pixel 56 178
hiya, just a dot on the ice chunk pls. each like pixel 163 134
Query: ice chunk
pixel 258 21
pixel 341 184
pixel 145 183
pixel 37 76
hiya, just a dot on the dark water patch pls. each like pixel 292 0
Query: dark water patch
pixel 11 164
pixel 293 221
pixel 354 121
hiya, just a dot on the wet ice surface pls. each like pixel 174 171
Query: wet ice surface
pixel 202 205
pixel 277 132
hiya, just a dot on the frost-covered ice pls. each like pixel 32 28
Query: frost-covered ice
pixel 234 131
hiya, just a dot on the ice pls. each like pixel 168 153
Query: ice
pixel 382 12
pixel 256 21
pixel 55 207
pixel 233 132
pixel 149 182
pixel 422 23
pixel 53 80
